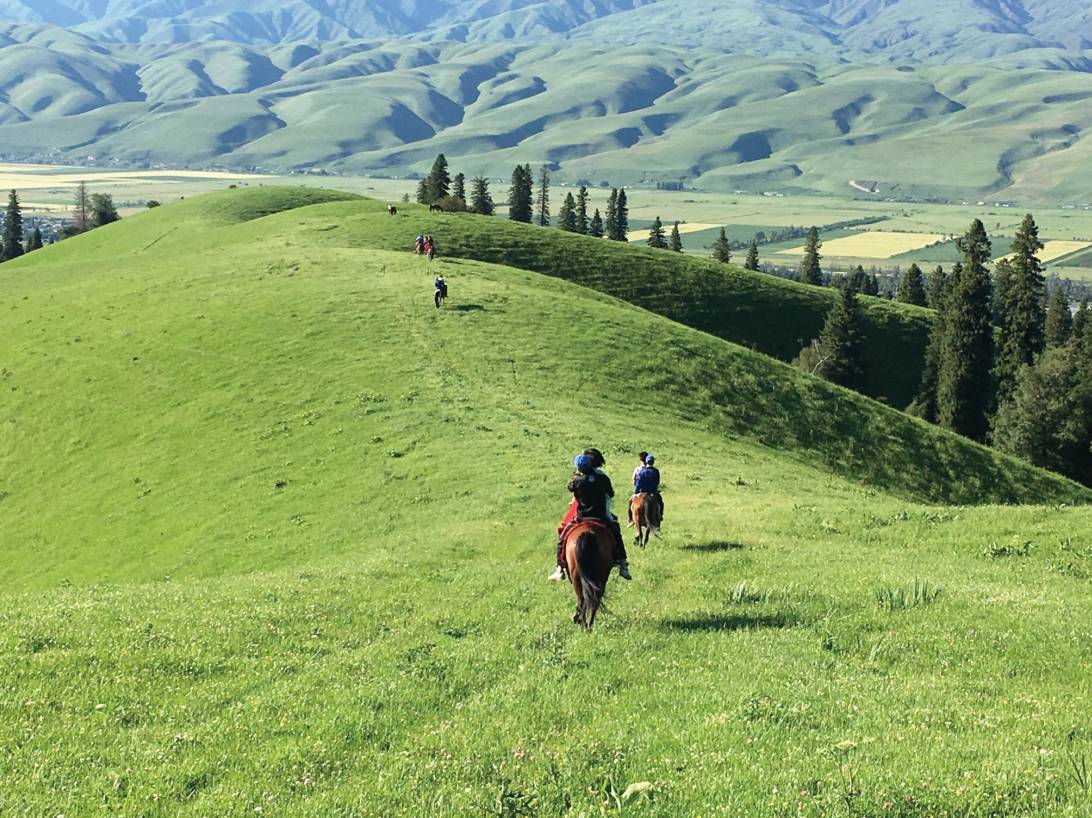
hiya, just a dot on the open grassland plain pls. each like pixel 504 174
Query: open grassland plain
pixel 275 533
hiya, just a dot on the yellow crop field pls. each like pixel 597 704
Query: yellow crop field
pixel 874 244
pixel 684 227
pixel 1053 249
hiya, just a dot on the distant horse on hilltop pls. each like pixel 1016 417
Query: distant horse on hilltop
pixel 392 210
pixel 589 556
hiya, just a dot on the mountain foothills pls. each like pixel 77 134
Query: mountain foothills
pixel 917 98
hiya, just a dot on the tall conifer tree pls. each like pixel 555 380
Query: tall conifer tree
pixel 458 188
pixel 621 217
pixel 35 240
pixel 841 343
pixel 1059 319
pixel 675 242
pixel 481 201
pixel 610 223
pixel 751 263
pixel 934 293
pixel 519 195
pixel 595 226
pixel 810 271
pixel 721 251
pixel 566 217
pixel 82 213
pixel 912 286
pixel 582 210
pixel 965 383
pixel 11 240
pixel 656 237
pixel 438 184
pixel 542 198
pixel 1022 307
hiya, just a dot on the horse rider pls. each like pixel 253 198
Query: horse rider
pixel 592 495
pixel 646 480
pixel 419 245
pixel 640 465
pixel 441 289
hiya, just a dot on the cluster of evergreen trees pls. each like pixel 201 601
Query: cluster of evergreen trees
pixel 90 211
pixel 441 189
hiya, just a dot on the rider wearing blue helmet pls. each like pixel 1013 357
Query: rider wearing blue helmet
pixel 592 493
pixel 646 480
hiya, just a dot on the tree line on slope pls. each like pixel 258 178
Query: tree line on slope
pixel 1002 366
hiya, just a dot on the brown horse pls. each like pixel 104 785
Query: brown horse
pixel 589 555
pixel 646 513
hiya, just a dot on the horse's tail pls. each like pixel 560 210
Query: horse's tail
pixel 587 561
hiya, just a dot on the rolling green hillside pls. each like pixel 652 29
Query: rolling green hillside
pixel 276 530
pixel 755 310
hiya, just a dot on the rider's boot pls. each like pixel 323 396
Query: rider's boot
pixel 559 572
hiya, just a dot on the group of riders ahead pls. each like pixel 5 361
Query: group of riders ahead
pixel 593 497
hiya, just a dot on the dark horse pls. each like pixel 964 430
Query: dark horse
pixel 589 556
pixel 435 208
pixel 647 516
pixel 392 210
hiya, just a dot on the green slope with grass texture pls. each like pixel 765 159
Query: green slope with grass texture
pixel 275 532
pixel 756 310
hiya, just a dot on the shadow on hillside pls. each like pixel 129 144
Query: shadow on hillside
pixel 468 308
pixel 729 622
pixel 716 545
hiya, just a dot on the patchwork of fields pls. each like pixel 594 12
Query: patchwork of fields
pixel 875 244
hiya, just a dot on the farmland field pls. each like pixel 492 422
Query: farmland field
pixel 875 244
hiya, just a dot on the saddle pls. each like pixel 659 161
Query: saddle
pixel 594 523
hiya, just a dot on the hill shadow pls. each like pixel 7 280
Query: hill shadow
pixel 714 546
pixel 729 622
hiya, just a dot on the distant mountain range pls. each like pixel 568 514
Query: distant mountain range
pixel 846 29
pixel 937 98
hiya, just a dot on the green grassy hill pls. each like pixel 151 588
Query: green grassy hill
pixel 755 310
pixel 276 530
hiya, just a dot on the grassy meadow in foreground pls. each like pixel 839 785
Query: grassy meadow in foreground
pixel 276 532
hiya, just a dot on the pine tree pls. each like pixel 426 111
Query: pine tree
pixel 438 184
pixel 656 237
pixel 595 226
pixel 82 208
pixel 480 200
pixel 35 240
pixel 1002 279
pixel 458 188
pixel 912 286
pixel 841 343
pixel 1059 320
pixel 934 295
pixel 519 196
pixel 611 222
pixel 1079 329
pixel 752 257
pixel 582 210
pixel 721 251
pixel 858 281
pixel 11 240
pixel 422 192
pixel 965 382
pixel 102 210
pixel 1022 308
pixel 623 215
pixel 542 198
pixel 675 242
pixel 566 217
pixel 810 271
pixel 1047 419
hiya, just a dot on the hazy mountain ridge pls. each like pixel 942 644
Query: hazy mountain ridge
pixel 839 29
pixel 630 114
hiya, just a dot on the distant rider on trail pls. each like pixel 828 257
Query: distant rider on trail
pixel 592 495
pixel 441 290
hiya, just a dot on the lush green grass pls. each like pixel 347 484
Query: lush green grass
pixel 181 636
pixel 759 311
